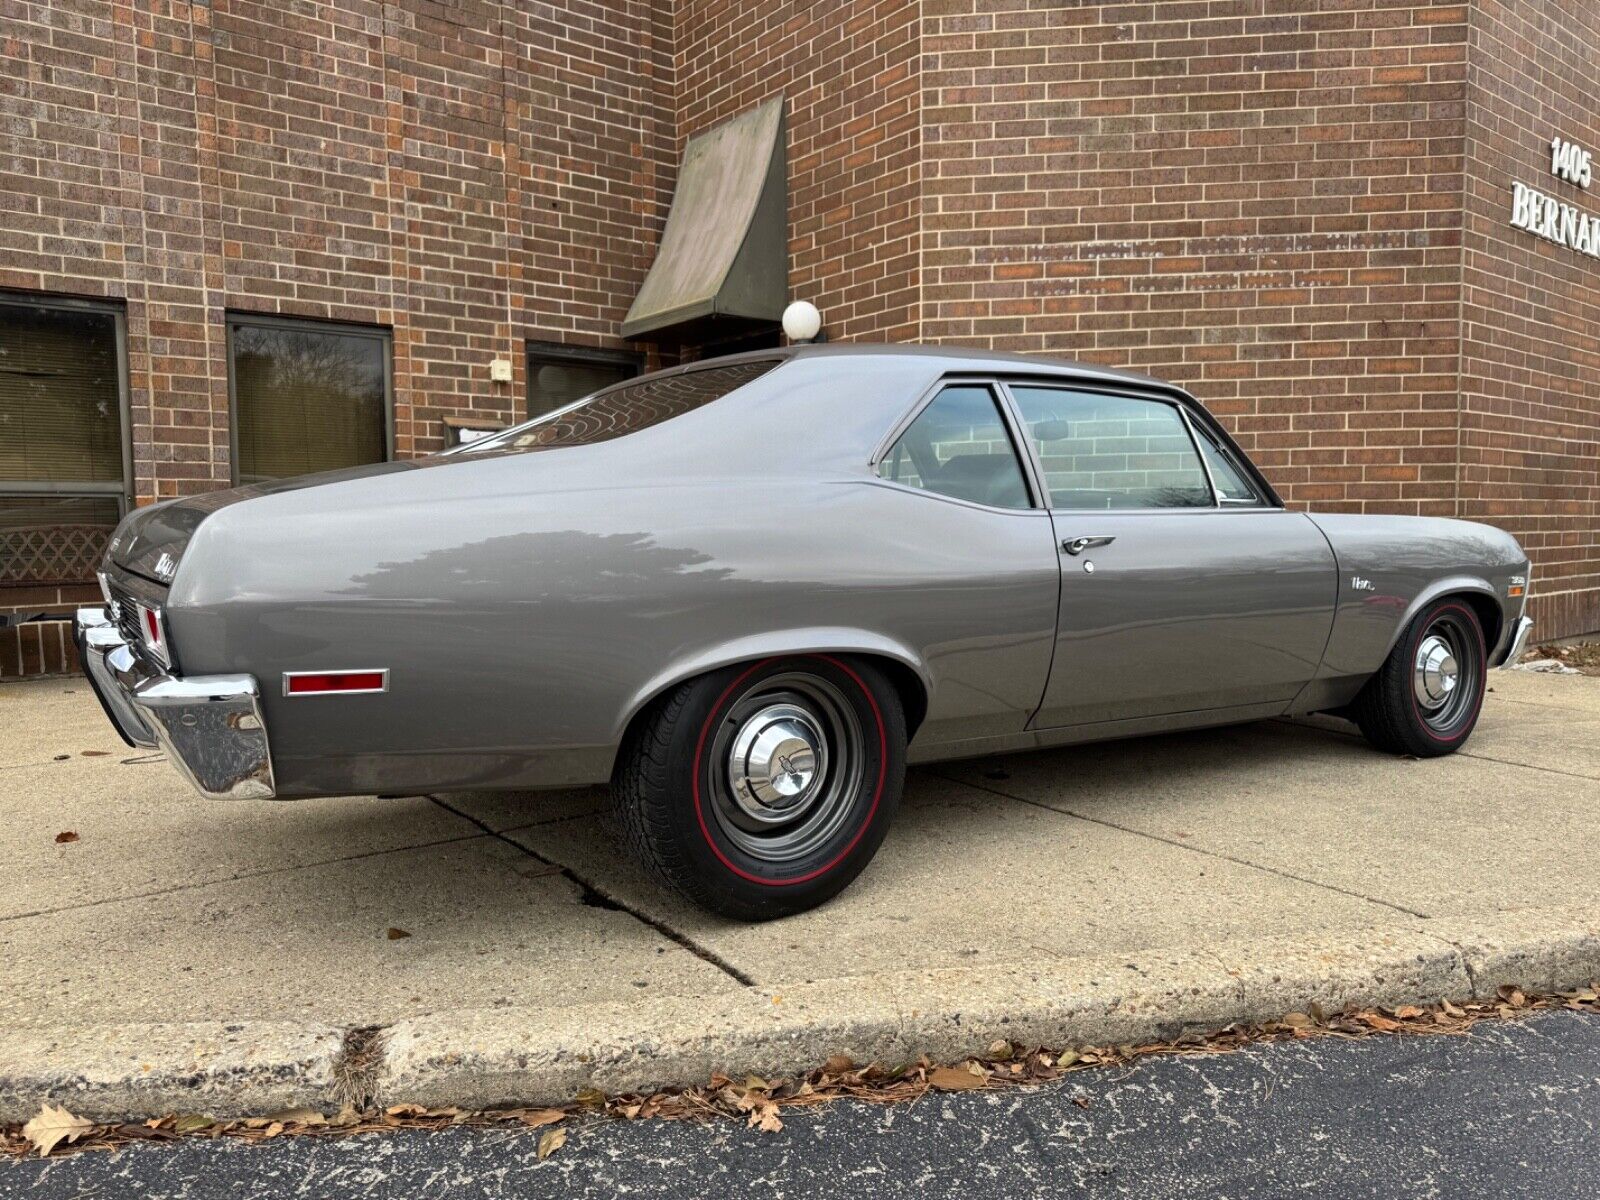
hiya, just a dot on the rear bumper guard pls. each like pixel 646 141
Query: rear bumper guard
pixel 210 726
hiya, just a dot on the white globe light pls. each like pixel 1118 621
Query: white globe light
pixel 802 321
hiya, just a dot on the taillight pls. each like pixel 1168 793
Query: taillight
pixel 323 683
pixel 153 630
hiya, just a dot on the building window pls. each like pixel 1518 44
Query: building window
pixel 63 443
pixel 307 396
pixel 558 375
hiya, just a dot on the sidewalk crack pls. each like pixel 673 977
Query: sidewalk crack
pixel 1217 854
pixel 597 897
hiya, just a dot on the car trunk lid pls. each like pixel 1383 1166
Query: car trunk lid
pixel 150 541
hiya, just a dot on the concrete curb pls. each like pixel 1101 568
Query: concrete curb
pixel 485 1058
pixel 139 1070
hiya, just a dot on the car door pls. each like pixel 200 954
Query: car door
pixel 1184 587
pixel 969 572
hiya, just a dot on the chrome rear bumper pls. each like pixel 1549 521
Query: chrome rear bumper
pixel 209 725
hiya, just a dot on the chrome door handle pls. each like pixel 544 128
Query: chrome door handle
pixel 1078 545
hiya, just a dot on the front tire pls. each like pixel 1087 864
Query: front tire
pixel 1426 698
pixel 763 789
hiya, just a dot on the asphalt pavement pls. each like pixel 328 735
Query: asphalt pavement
pixel 1513 1110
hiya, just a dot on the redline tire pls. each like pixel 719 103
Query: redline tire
pixel 753 844
pixel 1404 708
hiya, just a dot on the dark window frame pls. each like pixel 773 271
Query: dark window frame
pixel 380 333
pixel 584 356
pixel 123 490
pixel 120 491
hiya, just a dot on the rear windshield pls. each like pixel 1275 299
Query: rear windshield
pixel 623 410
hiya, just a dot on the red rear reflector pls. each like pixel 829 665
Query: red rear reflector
pixel 152 627
pixel 317 683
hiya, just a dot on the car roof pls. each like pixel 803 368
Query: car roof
pixel 960 358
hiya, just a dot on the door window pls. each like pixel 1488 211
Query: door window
pixel 959 446
pixel 1105 451
pixel 307 397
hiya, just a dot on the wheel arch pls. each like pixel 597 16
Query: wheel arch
pixel 1476 591
pixel 905 670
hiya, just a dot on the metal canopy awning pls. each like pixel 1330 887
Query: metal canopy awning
pixel 723 262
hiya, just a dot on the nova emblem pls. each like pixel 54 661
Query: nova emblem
pixel 1358 584
pixel 166 566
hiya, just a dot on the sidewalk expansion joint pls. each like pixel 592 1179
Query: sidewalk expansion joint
pixel 1181 845
pixel 596 897
pixel 239 877
pixel 1292 723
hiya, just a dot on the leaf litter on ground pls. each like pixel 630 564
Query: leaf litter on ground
pixel 759 1102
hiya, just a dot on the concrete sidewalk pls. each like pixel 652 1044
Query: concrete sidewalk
pixel 190 955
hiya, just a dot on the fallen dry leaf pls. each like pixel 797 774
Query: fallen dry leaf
pixel 839 1064
pixel 1298 1020
pixel 954 1079
pixel 297 1116
pixel 543 1116
pixel 551 1142
pixel 191 1123
pixel 590 1097
pixel 766 1119
pixel 1408 1012
pixel 51 1125
pixel 65 836
pixel 1378 1021
pixel 394 934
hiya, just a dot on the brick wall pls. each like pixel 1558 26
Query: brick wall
pixel 468 173
pixel 1530 370
pixel 849 71
pixel 1258 200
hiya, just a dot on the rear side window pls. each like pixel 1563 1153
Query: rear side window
pixel 959 446
pixel 624 410
pixel 1102 451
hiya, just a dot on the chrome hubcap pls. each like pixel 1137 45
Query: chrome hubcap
pixel 1437 672
pixel 784 769
pixel 777 757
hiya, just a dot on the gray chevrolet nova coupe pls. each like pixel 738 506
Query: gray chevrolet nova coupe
pixel 747 592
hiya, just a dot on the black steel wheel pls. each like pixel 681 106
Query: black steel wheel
pixel 763 789
pixel 1426 698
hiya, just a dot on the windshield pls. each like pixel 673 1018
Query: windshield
pixel 622 410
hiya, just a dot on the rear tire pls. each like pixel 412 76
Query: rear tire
pixel 763 789
pixel 1426 698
